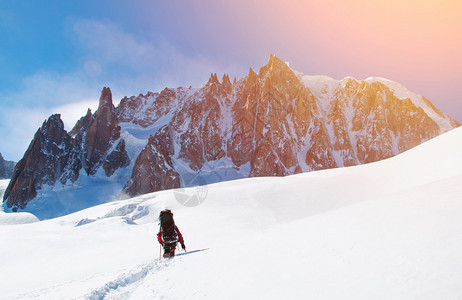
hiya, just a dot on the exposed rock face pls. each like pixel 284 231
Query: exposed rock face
pixel 45 162
pixel 97 133
pixel 275 111
pixel 154 169
pixel 272 123
pixel 6 168
pixel 118 158
pixel 368 123
pixel 82 124
pixel 146 110
pixel 56 156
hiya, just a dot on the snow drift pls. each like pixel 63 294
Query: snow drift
pixel 384 230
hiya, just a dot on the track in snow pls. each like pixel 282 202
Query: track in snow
pixel 120 287
pixel 123 286
pixel 193 251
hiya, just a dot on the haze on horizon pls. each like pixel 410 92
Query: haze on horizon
pixel 56 56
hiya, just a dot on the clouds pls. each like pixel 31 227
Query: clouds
pixel 108 56
pixel 19 123
pixel 40 95
pixel 51 88
pixel 136 63
pixel 22 111
pixel 109 43
pixel 67 54
pixel 92 68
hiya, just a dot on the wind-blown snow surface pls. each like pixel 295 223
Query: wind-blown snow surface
pixel 386 230
pixel 11 219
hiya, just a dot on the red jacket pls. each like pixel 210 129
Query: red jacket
pixel 180 236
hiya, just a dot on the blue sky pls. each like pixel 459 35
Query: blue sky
pixel 55 56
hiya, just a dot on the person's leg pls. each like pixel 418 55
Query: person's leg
pixel 166 250
pixel 172 251
pixel 169 250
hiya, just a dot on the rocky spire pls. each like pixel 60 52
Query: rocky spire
pixel 106 98
pixel 251 77
pixel 275 66
pixel 57 156
pixel 213 79
pixel 225 80
pixel 271 125
pixel 82 123
pixel 51 156
pixel 226 83
pixel 102 131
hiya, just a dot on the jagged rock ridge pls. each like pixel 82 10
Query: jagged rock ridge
pixel 272 123
pixel 56 156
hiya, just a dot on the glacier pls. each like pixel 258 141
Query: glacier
pixel 384 230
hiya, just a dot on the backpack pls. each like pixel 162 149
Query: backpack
pixel 167 227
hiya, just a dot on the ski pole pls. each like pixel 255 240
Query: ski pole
pixel 160 251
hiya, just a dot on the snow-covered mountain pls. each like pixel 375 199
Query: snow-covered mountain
pixel 388 230
pixel 275 122
pixel 6 167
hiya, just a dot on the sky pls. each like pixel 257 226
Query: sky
pixel 56 56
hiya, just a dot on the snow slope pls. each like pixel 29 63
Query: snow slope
pixel 386 230
pixel 403 93
pixel 11 219
pixel 324 88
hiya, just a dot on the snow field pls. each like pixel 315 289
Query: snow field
pixel 386 230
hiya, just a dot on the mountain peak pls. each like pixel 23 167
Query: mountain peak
pixel 82 123
pixel 268 124
pixel 252 76
pixel 275 61
pixel 213 79
pixel 105 98
pixel 225 79
pixel 226 83
pixel 273 58
pixel 274 64
pixel 53 121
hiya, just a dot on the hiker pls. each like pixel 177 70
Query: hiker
pixel 169 235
